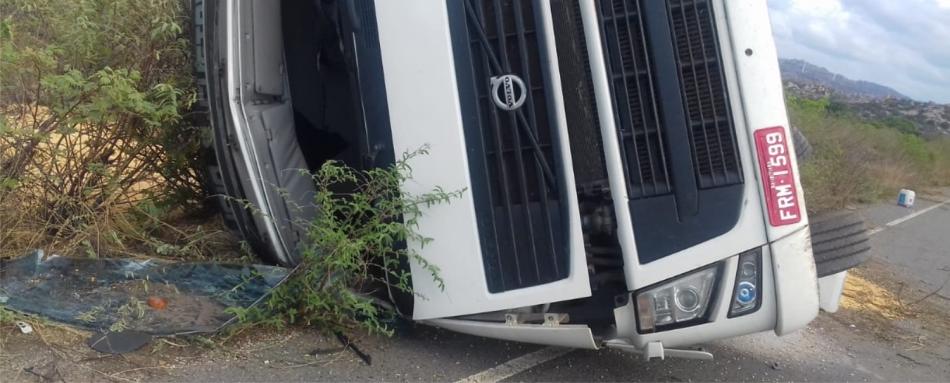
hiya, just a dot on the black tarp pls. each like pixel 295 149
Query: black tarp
pixel 113 294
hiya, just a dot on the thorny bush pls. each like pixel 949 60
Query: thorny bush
pixel 357 251
pixel 96 152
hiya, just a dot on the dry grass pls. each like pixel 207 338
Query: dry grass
pixel 867 297
pixel 878 301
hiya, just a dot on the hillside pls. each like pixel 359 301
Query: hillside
pixel 804 73
pixel 868 100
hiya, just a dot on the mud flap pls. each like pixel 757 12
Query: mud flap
pixel 829 291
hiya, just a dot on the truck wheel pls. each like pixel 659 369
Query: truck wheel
pixel 211 177
pixel 803 149
pixel 214 185
pixel 840 241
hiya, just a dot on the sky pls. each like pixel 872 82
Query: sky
pixel 903 44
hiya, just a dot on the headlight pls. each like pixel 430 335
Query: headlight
pixel 748 288
pixel 681 301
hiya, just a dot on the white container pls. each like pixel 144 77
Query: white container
pixel 906 198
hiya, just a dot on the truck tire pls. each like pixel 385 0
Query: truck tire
pixel 803 149
pixel 211 177
pixel 217 194
pixel 840 241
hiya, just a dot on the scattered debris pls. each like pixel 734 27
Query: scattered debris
pixel 352 347
pixel 120 342
pixel 906 198
pixel 157 303
pixel 24 327
pixel 48 372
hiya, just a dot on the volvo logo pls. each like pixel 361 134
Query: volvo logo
pixel 508 91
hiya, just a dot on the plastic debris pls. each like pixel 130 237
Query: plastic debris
pixel 157 303
pixel 906 198
pixel 24 327
pixel 119 342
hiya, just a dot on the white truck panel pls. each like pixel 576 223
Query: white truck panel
pixel 424 110
pixel 756 64
pixel 747 234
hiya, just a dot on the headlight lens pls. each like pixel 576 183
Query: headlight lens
pixel 745 295
pixel 680 301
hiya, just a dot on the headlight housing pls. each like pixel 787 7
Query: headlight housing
pixel 678 302
pixel 747 292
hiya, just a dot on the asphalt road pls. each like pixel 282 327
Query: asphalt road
pixel 830 349
pixel 835 347
pixel 435 355
pixel 919 248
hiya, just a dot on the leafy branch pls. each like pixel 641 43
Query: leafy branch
pixel 357 248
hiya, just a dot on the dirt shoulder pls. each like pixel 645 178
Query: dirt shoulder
pixel 893 325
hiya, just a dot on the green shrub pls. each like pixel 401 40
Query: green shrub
pixel 356 247
pixel 93 98
pixel 900 124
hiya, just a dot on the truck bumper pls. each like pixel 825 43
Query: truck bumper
pixel 789 302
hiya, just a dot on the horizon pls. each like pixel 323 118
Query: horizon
pixel 847 37
pixel 850 78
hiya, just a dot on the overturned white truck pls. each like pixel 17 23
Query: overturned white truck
pixel 631 180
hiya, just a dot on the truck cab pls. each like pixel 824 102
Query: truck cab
pixel 629 172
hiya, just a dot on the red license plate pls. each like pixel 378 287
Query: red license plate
pixel 778 176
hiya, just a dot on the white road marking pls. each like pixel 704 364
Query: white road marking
pixel 517 365
pixel 906 218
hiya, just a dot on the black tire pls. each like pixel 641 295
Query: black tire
pixel 212 179
pixel 803 149
pixel 217 194
pixel 840 241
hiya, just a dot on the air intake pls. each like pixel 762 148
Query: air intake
pixel 673 119
pixel 635 99
pixel 704 90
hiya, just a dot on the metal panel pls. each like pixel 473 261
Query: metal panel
pixel 748 230
pixel 573 336
pixel 423 86
pixel 676 130
pixel 268 48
